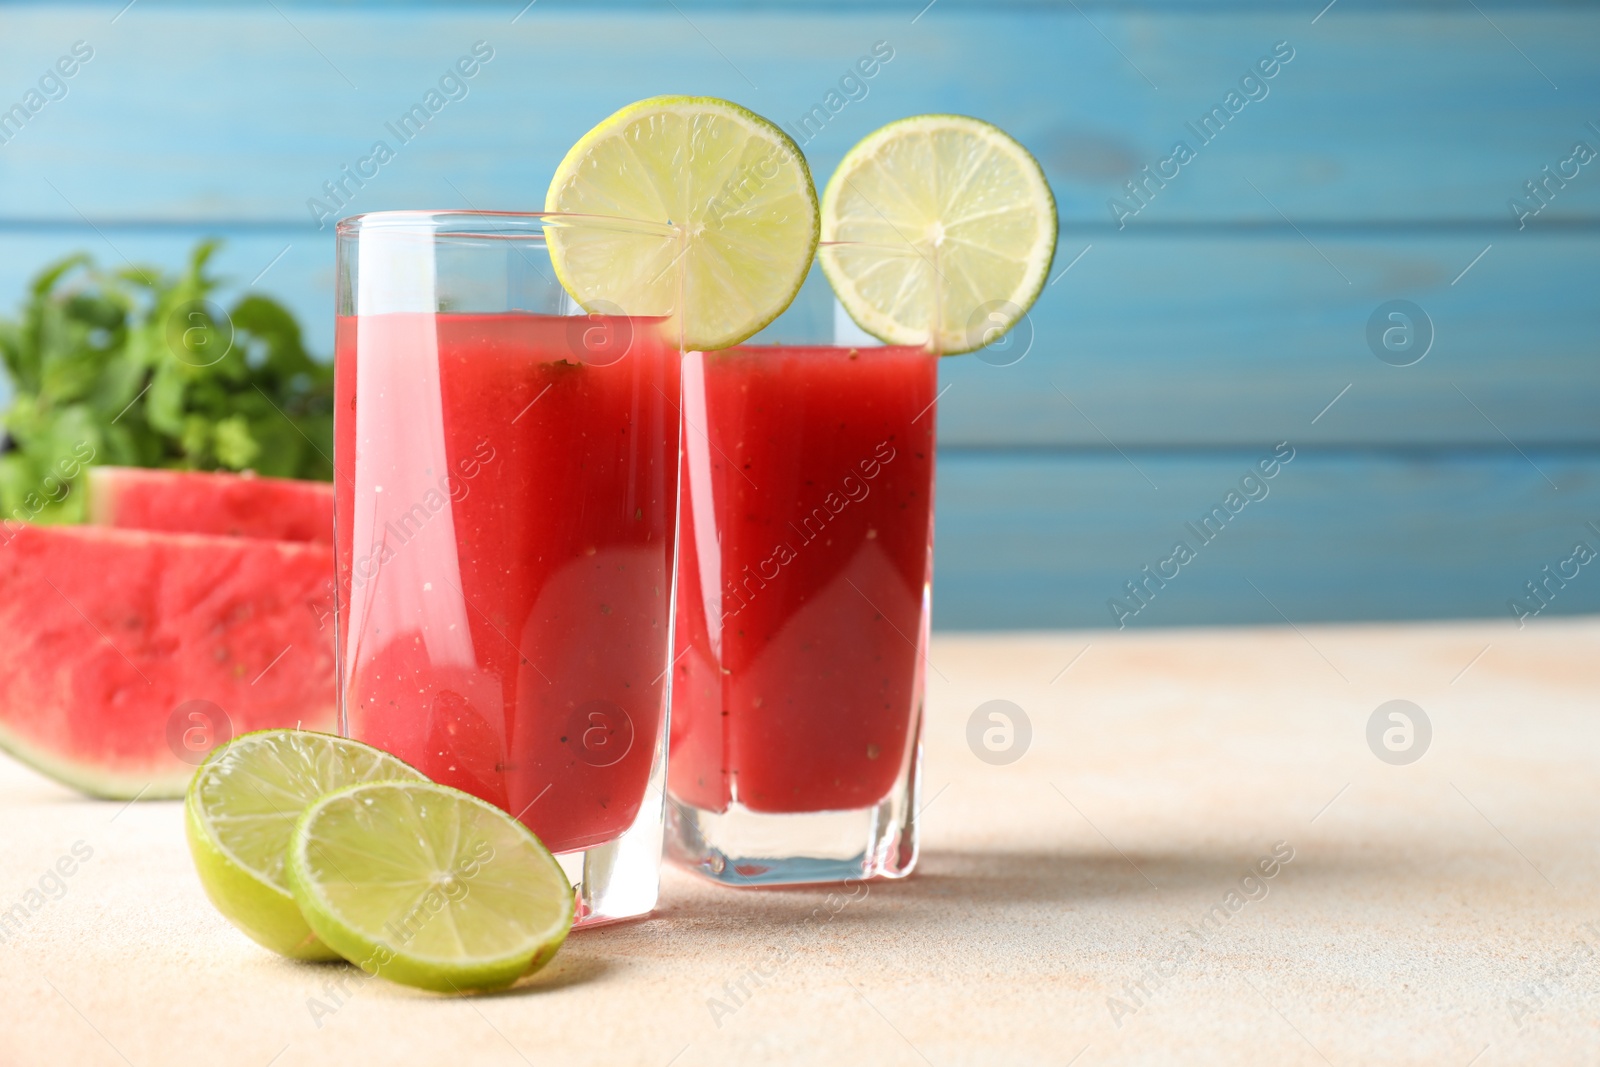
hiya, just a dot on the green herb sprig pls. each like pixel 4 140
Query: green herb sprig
pixel 140 368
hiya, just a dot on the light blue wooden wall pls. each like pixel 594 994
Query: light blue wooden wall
pixel 1222 319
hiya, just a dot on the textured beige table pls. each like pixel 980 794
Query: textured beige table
pixel 1441 913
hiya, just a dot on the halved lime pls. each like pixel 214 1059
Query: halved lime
pixel 949 229
pixel 730 208
pixel 240 813
pixel 428 886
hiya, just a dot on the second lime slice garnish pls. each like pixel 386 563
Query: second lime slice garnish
pixel 428 886
pixel 948 226
pixel 731 213
pixel 240 812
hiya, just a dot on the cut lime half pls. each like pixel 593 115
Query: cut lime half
pixel 240 812
pixel 947 229
pixel 428 886
pixel 731 216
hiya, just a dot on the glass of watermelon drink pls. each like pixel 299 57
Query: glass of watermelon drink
pixel 804 569
pixel 806 514
pixel 506 491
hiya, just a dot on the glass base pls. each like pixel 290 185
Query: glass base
pixel 620 879
pixel 740 847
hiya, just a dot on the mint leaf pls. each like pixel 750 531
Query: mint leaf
pixel 141 368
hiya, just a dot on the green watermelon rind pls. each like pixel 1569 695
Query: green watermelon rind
pixel 152 773
pixel 90 777
pixel 121 497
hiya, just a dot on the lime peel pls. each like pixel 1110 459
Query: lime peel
pixel 735 191
pixel 428 886
pixel 239 815
pixel 938 230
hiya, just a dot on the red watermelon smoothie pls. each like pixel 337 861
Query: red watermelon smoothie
pixel 506 494
pixel 806 524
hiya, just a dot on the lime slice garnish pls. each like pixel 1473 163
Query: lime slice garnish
pixel 950 226
pixel 240 813
pixel 731 213
pixel 428 886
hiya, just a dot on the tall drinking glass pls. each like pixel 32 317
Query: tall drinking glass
pixel 805 561
pixel 506 471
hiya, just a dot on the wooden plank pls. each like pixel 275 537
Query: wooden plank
pixel 1204 341
pixel 229 114
pixel 1046 541
pixel 1213 341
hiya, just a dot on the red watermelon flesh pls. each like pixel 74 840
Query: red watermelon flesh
pixel 238 505
pixel 112 641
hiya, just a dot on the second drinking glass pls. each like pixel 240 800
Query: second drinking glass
pixel 806 539
pixel 506 472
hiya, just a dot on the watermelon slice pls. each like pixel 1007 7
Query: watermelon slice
pixel 125 654
pixel 238 505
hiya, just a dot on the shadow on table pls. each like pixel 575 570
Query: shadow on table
pixel 1067 877
pixel 1038 877
pixel 978 899
pixel 572 966
pixel 981 881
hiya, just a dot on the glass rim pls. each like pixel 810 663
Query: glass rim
pixel 489 225
pixel 531 225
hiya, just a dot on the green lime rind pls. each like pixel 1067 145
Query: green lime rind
pixel 902 254
pixel 266 914
pixel 727 213
pixel 428 886
pixel 239 816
